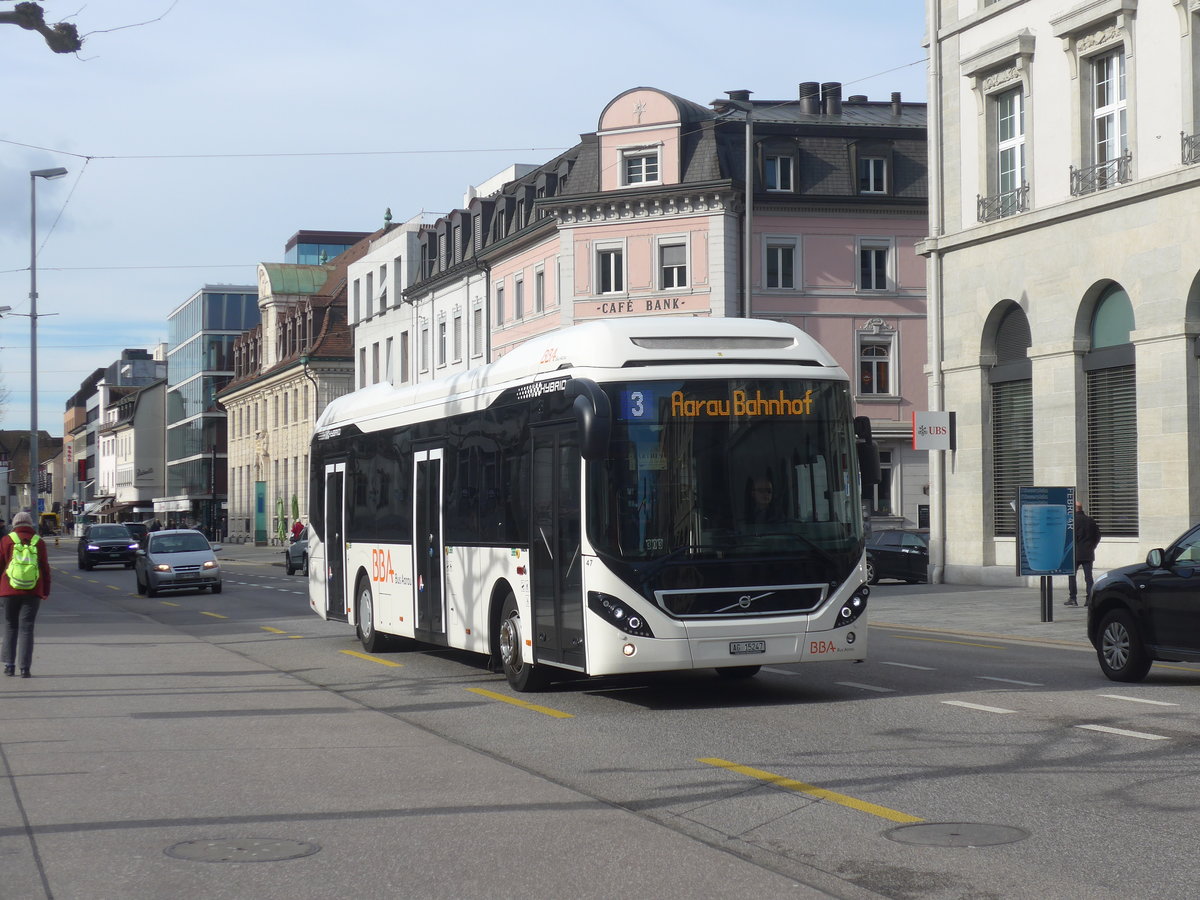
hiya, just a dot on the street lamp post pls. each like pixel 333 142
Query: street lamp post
pixel 740 100
pixel 34 467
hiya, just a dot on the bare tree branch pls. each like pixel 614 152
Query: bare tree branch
pixel 62 37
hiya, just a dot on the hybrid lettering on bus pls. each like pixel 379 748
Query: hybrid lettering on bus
pixel 615 497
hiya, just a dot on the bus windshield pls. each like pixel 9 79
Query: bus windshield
pixel 730 469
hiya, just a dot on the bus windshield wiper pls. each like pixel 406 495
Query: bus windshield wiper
pixel 813 545
pixel 657 565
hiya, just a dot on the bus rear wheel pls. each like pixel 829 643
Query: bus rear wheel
pixel 521 674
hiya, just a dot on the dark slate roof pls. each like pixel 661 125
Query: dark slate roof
pixel 873 114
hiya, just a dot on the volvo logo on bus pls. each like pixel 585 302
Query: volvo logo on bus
pixel 744 601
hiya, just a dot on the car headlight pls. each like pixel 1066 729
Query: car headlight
pixel 162 567
pixel 209 564
pixel 93 546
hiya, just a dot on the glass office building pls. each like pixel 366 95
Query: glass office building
pixel 315 248
pixel 200 337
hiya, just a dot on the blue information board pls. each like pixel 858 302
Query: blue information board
pixel 1046 531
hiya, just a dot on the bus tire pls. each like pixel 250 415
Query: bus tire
pixel 522 675
pixel 736 673
pixel 373 640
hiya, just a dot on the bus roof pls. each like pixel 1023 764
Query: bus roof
pixel 599 345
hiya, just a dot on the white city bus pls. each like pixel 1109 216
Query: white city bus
pixel 628 496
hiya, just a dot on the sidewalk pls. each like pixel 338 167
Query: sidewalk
pixel 974 610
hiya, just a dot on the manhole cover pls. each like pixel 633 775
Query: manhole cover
pixel 241 850
pixel 956 834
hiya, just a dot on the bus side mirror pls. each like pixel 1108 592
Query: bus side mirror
pixel 868 455
pixel 593 412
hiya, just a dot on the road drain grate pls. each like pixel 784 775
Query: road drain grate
pixel 237 850
pixel 956 834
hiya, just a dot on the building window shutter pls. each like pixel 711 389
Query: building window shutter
pixel 1012 450
pixel 1112 449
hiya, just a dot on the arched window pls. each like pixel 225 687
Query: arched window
pixel 1011 380
pixel 1112 416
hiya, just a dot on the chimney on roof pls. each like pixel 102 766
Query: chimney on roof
pixel 810 97
pixel 831 95
pixel 739 95
pixel 896 108
pixel 857 98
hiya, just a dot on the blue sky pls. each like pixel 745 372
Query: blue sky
pixel 200 141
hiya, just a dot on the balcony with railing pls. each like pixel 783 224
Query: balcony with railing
pixel 1006 203
pixel 1110 173
pixel 1189 148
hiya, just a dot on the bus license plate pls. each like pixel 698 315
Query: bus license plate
pixel 738 647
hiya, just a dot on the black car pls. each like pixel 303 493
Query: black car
pixel 1149 611
pixel 901 553
pixel 106 544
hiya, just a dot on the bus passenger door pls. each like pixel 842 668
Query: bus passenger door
pixel 335 542
pixel 556 574
pixel 429 558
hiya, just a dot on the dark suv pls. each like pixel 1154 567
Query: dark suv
pixel 1149 611
pixel 106 544
pixel 901 553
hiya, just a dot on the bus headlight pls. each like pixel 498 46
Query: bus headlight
pixel 852 608
pixel 617 614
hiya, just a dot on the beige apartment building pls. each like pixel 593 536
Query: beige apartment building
pixel 1063 263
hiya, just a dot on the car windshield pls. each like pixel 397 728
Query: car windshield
pixel 109 533
pixel 178 543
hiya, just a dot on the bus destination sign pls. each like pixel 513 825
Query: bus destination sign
pixel 641 404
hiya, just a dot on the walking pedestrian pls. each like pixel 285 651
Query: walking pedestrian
pixel 1087 536
pixel 24 584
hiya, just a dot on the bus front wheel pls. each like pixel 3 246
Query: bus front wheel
pixel 372 639
pixel 521 674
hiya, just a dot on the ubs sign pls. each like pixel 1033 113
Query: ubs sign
pixel 933 431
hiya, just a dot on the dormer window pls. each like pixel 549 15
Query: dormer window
pixel 640 166
pixel 777 172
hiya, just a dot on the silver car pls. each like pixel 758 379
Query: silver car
pixel 179 558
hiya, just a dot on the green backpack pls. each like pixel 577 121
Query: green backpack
pixel 23 571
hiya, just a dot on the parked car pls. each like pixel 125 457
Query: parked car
pixel 295 557
pixel 106 543
pixel 1148 611
pixel 901 553
pixel 178 558
pixel 138 530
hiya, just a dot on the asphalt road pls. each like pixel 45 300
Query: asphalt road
pixel 951 764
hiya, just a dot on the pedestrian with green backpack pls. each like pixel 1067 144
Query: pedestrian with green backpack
pixel 24 584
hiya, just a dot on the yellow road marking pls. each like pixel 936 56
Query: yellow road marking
pixel 169 603
pixel 298 636
pixel 273 630
pixel 544 710
pixel 214 615
pixel 820 793
pixel 1178 668
pixel 112 587
pixel 369 658
pixel 909 637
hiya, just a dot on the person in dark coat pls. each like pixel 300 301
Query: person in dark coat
pixel 21 607
pixel 1087 536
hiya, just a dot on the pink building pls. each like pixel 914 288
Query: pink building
pixel 647 216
